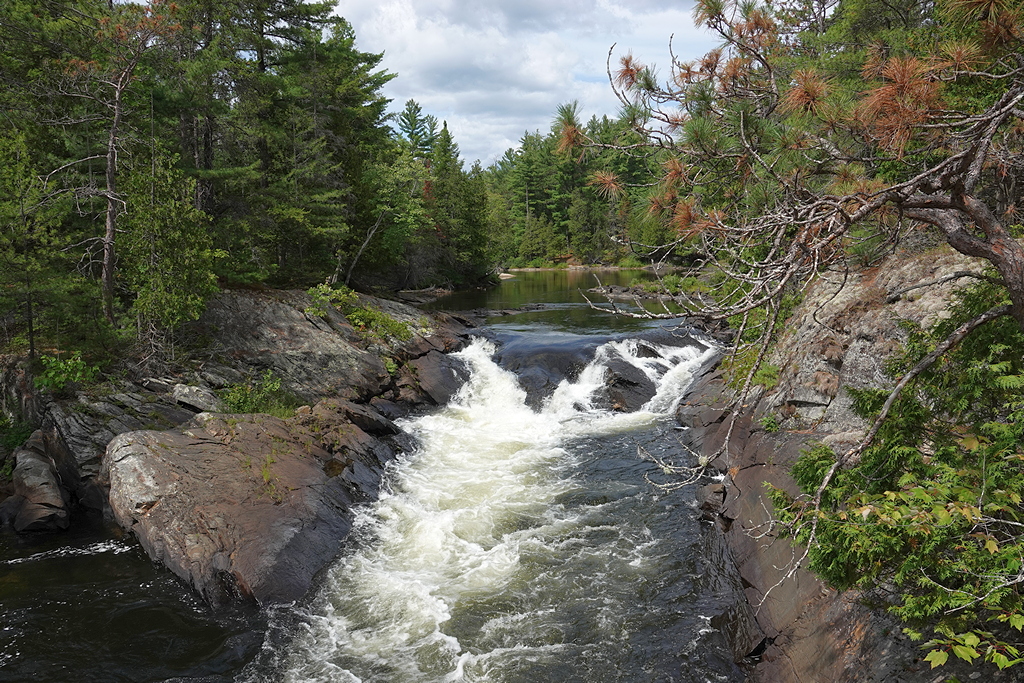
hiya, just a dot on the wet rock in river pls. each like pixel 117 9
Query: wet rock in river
pixel 249 506
pixel 42 503
pixel 439 376
pixel 627 387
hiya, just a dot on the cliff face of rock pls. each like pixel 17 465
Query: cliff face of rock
pixel 242 507
pixel 838 337
pixel 845 329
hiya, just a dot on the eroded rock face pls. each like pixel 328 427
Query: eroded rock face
pixel 249 506
pixel 42 503
pixel 844 330
pixel 834 340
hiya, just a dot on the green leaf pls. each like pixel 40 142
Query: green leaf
pixel 968 654
pixel 937 657
pixel 1000 660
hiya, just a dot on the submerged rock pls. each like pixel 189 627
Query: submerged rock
pixel 627 387
pixel 439 376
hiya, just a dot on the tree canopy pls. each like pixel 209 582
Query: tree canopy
pixel 155 149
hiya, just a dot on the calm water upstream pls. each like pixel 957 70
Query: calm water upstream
pixel 519 542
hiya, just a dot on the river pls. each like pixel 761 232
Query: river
pixel 519 542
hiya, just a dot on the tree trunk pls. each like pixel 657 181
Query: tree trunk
pixel 971 228
pixel 30 318
pixel 107 277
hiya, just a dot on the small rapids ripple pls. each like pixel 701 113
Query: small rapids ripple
pixel 516 545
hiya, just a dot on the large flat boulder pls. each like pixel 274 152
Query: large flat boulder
pixel 249 507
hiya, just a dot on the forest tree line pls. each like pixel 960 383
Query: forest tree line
pixel 153 152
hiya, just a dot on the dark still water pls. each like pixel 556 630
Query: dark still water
pixel 558 299
pixel 89 606
pixel 519 543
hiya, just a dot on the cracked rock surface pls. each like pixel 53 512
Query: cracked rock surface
pixel 836 338
pixel 249 506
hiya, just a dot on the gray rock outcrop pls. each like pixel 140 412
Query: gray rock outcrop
pixel 244 507
pixel 197 398
pixel 837 338
pixel 41 501
pixel 249 506
pixel 844 330
pixel 314 356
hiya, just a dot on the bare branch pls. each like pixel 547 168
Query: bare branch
pixel 949 342
pixel 895 296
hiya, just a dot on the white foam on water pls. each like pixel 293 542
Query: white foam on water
pixel 98 548
pixel 473 530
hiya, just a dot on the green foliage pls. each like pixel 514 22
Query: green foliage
pixel 933 508
pixel 770 423
pixel 867 245
pixel 767 376
pixel 166 252
pixel 673 283
pixel 417 130
pixel 371 321
pixel 631 261
pixel 13 433
pixel 325 296
pixel 31 241
pixel 377 323
pixel 259 128
pixel 270 479
pixel 738 366
pixel 546 207
pixel 7 469
pixel 60 375
pixel 260 394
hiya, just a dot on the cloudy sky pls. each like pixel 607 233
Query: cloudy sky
pixel 494 69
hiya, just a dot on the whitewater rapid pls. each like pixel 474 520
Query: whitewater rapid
pixel 487 558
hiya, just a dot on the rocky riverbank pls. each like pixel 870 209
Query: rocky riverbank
pixel 797 629
pixel 197 486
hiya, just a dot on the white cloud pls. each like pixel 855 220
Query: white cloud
pixel 494 69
